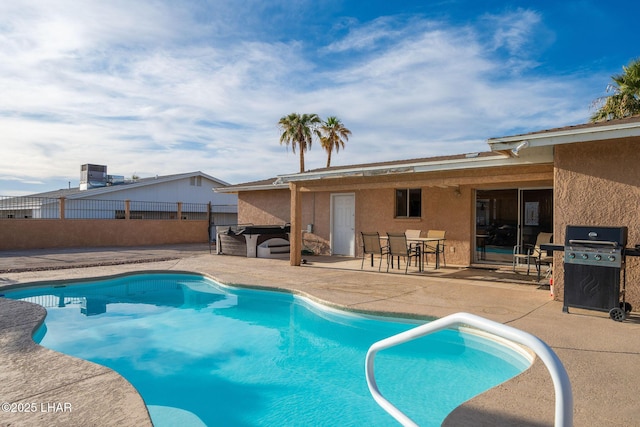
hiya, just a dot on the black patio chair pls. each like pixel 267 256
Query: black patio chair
pixel 399 247
pixel 371 245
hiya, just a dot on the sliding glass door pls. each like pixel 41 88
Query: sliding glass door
pixel 507 217
pixel 496 224
pixel 536 213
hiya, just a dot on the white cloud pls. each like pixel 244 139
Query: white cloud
pixel 154 88
pixel 368 35
pixel 513 31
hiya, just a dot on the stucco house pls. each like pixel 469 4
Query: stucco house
pixel 487 202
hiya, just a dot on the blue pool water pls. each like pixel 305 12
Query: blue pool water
pixel 204 354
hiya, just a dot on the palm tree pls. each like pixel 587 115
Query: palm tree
pixel 334 135
pixel 299 129
pixel 625 100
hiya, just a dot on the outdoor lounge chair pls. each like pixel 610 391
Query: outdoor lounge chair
pixel 413 234
pixel 437 248
pixel 371 245
pixel 399 247
pixel 532 253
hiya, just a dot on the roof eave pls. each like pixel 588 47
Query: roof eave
pixel 261 187
pixel 470 162
pixel 566 136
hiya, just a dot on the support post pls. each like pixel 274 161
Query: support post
pixel 62 208
pixel 295 255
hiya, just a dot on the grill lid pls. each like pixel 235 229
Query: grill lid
pixel 593 235
pixel 595 246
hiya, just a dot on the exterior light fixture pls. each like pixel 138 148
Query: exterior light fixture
pixel 523 144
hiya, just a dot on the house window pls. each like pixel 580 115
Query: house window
pixel 196 181
pixel 409 203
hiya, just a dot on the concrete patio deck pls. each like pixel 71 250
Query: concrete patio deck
pixel 601 356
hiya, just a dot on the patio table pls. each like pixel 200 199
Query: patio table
pixel 424 243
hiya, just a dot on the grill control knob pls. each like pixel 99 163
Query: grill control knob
pixel 612 258
pixel 585 256
pixel 597 257
pixel 572 255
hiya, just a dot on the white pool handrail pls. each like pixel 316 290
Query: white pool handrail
pixel 561 383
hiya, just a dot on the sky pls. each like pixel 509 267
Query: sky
pixel 160 87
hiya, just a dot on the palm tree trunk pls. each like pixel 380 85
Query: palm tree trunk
pixel 329 159
pixel 301 160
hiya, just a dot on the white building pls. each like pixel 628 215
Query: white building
pixel 102 196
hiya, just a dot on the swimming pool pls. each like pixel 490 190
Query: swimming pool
pixel 201 353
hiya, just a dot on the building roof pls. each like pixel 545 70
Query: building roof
pixel 76 193
pixel 392 163
pixel 458 161
pixel 264 184
pixel 426 164
pixel 609 129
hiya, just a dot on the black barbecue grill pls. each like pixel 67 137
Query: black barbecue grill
pixel 594 269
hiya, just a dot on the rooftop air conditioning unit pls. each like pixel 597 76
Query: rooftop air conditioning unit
pixel 93 176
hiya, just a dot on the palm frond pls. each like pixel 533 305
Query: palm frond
pixel 334 136
pixel 625 98
pixel 298 130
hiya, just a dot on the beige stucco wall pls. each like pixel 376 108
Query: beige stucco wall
pixel 264 207
pixel 70 233
pixel 598 183
pixel 442 209
pixel 273 208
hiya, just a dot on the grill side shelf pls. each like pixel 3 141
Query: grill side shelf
pixel 632 252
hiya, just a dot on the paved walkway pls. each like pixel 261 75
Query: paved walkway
pixel 57 259
pixel 602 357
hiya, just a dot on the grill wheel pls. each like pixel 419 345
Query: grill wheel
pixel 617 314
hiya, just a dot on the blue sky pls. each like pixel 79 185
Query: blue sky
pixel 161 87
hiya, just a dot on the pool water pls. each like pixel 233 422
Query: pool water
pixel 201 353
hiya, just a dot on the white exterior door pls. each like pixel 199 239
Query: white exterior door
pixel 343 224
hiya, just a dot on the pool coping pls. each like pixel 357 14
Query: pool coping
pixel 43 387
